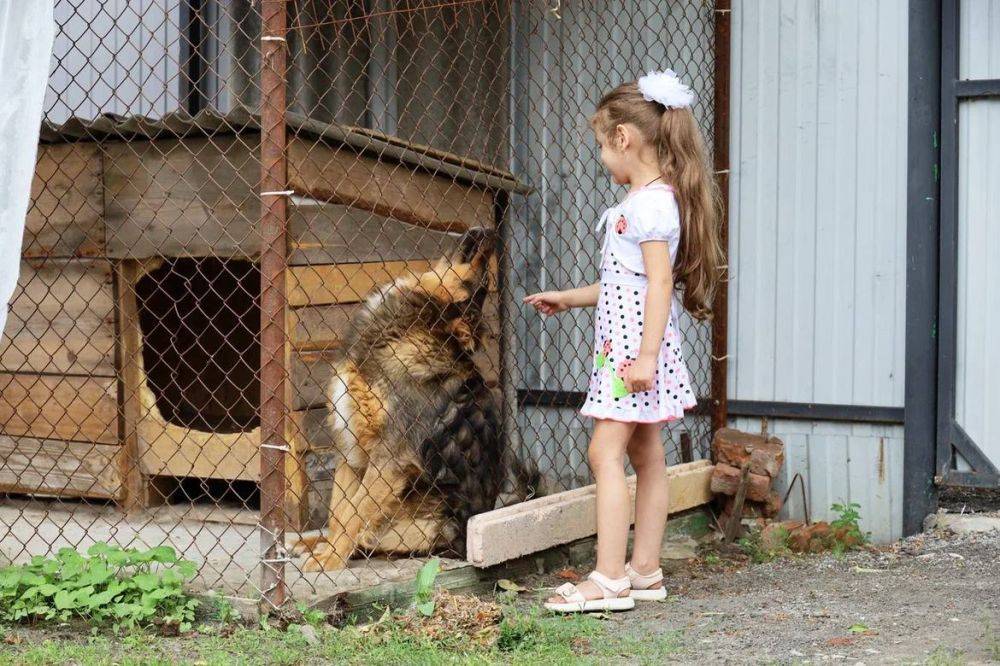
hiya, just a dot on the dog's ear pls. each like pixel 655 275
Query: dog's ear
pixel 474 247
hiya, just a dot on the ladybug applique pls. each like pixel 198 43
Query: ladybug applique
pixel 621 225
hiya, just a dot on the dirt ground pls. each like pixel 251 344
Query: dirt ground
pixel 932 598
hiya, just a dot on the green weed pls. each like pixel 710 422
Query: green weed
pixel 121 587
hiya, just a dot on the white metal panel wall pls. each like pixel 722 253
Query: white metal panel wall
pixel 978 363
pixel 842 463
pixel 818 229
pixel 818 215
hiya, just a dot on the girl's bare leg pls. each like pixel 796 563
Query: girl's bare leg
pixel 607 462
pixel 645 452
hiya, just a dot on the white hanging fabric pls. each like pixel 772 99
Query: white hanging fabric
pixel 27 30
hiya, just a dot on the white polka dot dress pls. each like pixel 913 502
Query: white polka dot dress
pixel 619 321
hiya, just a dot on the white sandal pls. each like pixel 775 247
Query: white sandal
pixel 610 588
pixel 642 585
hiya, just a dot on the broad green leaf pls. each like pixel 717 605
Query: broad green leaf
pixel 146 581
pixel 425 579
pixel 186 568
pixel 510 586
pixel 64 600
pixel 48 589
pixel 426 608
pixel 164 554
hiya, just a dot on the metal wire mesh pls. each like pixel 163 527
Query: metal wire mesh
pixel 436 166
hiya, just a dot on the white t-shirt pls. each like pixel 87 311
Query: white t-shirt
pixel 647 214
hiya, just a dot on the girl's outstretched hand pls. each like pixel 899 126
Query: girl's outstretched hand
pixel 548 302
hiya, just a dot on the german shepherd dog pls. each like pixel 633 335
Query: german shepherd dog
pixel 418 428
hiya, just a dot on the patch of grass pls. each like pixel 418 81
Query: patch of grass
pixel 992 642
pixel 846 530
pixel 524 638
pixel 761 548
pixel 942 656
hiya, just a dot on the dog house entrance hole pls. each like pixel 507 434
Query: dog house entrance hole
pixel 200 322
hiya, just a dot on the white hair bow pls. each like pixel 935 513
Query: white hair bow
pixel 666 88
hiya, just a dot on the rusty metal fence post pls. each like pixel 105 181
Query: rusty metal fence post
pixel 273 376
pixel 720 145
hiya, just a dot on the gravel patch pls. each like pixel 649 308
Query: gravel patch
pixel 931 598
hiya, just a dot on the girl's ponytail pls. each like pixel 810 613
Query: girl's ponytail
pixel 684 164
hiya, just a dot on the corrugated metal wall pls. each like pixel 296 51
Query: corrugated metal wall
pixel 818 228
pixel 978 362
pixel 132 70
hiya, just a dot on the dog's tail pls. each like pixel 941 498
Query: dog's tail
pixel 524 481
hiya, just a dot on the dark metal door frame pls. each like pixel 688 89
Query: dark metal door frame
pixel 950 436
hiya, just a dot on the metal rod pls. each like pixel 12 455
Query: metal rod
pixel 808 411
pixel 720 144
pixel 687 451
pixel 273 377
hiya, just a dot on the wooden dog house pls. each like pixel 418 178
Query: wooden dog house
pixel 131 352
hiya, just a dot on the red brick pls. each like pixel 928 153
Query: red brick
pixel 734 447
pixel 726 480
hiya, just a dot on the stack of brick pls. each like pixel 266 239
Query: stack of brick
pixel 764 455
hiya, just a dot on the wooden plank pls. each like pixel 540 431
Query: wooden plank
pixel 345 283
pixel 183 197
pixel 198 197
pixel 81 409
pixel 340 176
pixel 296 501
pixel 129 359
pixel 514 531
pixel 310 425
pixel 319 328
pixel 63 469
pixel 61 319
pixel 336 234
pixel 312 441
pixel 171 450
pixel 487 357
pixel 67 203
pixel 311 373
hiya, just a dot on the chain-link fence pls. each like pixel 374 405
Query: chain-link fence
pixel 272 276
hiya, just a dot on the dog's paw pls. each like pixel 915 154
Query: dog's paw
pixel 326 560
pixel 307 545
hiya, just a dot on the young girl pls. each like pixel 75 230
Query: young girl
pixel 661 236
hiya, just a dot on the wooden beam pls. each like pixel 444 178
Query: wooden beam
pixel 319 328
pixel 130 377
pixel 66 218
pixel 514 531
pixel 61 319
pixel 336 175
pixel 183 197
pixel 58 468
pixel 320 233
pixel 199 197
pixel 345 283
pixel 79 409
